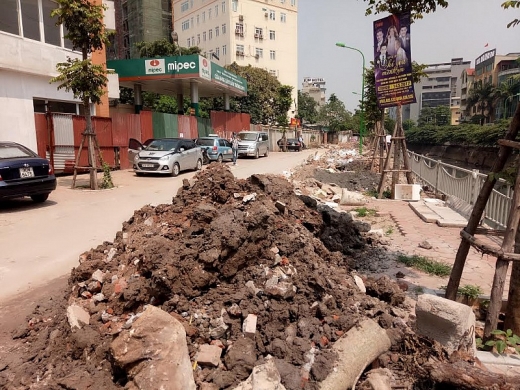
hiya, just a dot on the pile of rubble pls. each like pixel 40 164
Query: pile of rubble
pixel 238 284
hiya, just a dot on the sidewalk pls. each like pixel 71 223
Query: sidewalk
pixel 412 230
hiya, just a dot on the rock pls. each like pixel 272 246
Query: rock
pixel 282 208
pixel 425 245
pixel 234 310
pixel 362 226
pixel 98 297
pixel 450 323
pixel 149 221
pixel 111 253
pixel 249 325
pixel 279 289
pixel 351 198
pixel 218 329
pixel 249 198
pixel 98 276
pixel 359 282
pixel 400 275
pixel 154 353
pixel 263 377
pixel 252 288
pixel 309 201
pixel 77 316
pixel 186 184
pixel 241 357
pixel 208 355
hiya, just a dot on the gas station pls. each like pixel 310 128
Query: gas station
pixel 178 76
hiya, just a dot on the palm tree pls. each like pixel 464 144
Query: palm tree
pixel 481 96
pixel 503 92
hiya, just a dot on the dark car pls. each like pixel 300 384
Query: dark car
pixel 292 144
pixel 24 173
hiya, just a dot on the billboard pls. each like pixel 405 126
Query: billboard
pixel 393 61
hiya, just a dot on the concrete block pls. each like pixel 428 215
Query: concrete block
pixel 408 191
pixel 360 284
pixel 209 355
pixel 77 316
pixel 448 322
pixel 249 325
pixel 98 276
pixel 351 198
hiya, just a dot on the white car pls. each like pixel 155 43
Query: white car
pixel 167 156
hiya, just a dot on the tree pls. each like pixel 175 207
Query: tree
pixel 512 4
pixel 436 116
pixel 307 108
pixel 283 103
pixel 266 96
pixel 481 96
pixel 83 22
pixel 416 7
pixel 335 116
pixel 504 92
pixel 164 48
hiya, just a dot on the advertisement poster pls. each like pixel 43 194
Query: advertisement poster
pixel 393 61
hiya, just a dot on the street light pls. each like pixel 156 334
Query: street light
pixel 505 102
pixel 362 118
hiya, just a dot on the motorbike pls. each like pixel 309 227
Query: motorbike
pixel 205 157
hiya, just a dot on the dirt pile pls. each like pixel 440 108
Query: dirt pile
pixel 224 249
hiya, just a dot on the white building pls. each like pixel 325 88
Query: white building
pixel 31 46
pixel 315 88
pixel 259 33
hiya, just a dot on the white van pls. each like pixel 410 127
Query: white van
pixel 253 143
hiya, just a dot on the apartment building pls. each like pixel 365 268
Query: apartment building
pixel 32 45
pixel 466 79
pixel 315 88
pixel 442 87
pixel 260 33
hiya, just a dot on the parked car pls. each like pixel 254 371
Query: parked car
pixel 24 173
pixel 218 149
pixel 292 144
pixel 167 156
pixel 253 143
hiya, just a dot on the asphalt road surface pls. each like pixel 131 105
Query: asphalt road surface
pixel 42 242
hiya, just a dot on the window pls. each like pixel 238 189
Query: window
pixel 204 36
pixel 259 52
pixel 217 31
pixel 239 29
pixel 272 35
pixel 293 2
pixel 198 20
pixel 9 17
pixel 185 6
pixel 283 17
pixel 210 34
pixel 185 25
pixel 209 14
pixel 30 18
pixel 224 50
pixel 273 73
pixel 217 52
pixel 272 54
pixel 272 14
pixel 258 32
pixel 198 39
pixel 223 7
pixel 216 10
pixel 224 28
pixel 191 23
pixel 191 3
pixel 189 42
pixel 203 16
pixel 51 31
pixel 240 50
pixel 234 4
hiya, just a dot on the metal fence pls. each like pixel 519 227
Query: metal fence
pixel 465 185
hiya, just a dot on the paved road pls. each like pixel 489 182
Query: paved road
pixel 42 242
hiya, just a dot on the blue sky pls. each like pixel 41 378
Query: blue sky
pixel 461 30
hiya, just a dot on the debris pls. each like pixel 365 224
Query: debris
pixel 77 316
pixel 209 355
pixel 249 325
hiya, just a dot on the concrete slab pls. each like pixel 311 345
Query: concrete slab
pixel 436 211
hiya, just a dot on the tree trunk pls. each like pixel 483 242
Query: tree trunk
pixel 89 131
pixel 512 320
pixel 478 209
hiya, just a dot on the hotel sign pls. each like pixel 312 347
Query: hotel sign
pixel 486 56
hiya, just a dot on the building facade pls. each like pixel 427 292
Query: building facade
pixel 466 83
pixel 249 32
pixel 32 45
pixel 442 87
pixel 315 88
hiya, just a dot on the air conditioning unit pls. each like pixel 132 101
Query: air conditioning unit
pixel 257 35
pixel 257 56
pixel 241 34
pixel 241 17
pixel 266 14
pixel 260 36
pixel 237 31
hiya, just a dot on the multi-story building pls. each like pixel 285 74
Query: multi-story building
pixel 32 45
pixel 259 33
pixel 141 21
pixel 466 83
pixel 442 87
pixel 315 88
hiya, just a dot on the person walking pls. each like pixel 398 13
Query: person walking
pixel 234 148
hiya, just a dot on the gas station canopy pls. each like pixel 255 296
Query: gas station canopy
pixel 174 75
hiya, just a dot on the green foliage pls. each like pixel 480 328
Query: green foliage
pixel 307 108
pixel 464 134
pixel 416 7
pixel 470 291
pixel 512 4
pixel 389 125
pixel 500 341
pixel 436 116
pixel 482 97
pixel 283 102
pixel 335 116
pixel 163 48
pixel 364 212
pixel 409 124
pixel 107 177
pixel 425 264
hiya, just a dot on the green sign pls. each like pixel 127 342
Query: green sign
pixel 227 78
